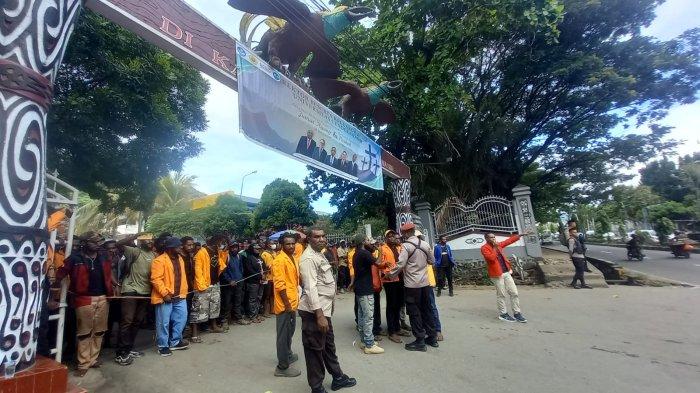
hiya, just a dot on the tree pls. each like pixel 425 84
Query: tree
pixel 282 203
pixel 89 216
pixel 175 191
pixel 229 215
pixel 666 180
pixel 124 115
pixel 501 85
pixel 664 227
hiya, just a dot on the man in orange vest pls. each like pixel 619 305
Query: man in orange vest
pixel 500 273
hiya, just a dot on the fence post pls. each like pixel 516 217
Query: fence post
pixel 423 211
pixel 526 220
pixel 401 191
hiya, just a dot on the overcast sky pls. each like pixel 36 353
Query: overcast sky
pixel 228 155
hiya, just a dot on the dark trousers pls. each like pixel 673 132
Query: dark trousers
pixel 238 292
pixel 319 350
pixel 114 316
pixel 44 343
pixel 132 316
pixel 580 266
pixel 445 272
pixel 253 301
pixel 394 300
pixel 420 313
pixel 286 324
pixel 226 302
pixel 343 277
pixel 377 326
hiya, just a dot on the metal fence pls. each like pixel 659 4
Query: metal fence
pixel 491 213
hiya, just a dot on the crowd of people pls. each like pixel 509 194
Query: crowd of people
pixel 184 290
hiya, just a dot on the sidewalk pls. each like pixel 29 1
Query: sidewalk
pixel 617 339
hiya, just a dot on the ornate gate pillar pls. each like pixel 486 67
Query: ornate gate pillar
pixel 526 220
pixel 401 191
pixel 33 38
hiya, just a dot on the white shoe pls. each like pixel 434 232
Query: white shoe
pixel 374 349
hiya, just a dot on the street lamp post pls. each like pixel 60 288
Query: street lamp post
pixel 243 179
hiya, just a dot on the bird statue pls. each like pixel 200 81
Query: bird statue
pixel 357 101
pixel 295 32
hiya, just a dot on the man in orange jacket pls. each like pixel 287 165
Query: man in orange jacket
pixel 500 273
pixel 168 293
pixel 285 278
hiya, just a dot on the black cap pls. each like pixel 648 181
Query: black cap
pixel 172 242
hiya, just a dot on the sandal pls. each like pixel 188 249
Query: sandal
pixel 196 340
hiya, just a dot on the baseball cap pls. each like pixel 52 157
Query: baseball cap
pixel 408 226
pixel 172 242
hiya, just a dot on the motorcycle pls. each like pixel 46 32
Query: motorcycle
pixel 635 253
pixel 681 250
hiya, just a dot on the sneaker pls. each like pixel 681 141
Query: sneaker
pixel 136 354
pixel 520 318
pixel 374 350
pixel 586 286
pixel 289 372
pixel 165 351
pixel 506 317
pixel 293 358
pixel 404 333
pixel 123 360
pixel 183 344
pixel 417 345
pixel 343 382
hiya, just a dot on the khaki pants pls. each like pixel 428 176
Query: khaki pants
pixel 92 324
pixel 505 284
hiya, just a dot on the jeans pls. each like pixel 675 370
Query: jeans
pixel 253 304
pixel 170 321
pixel 238 292
pixel 365 318
pixel 436 315
pixel 394 300
pixel 377 317
pixel 133 313
pixel 505 284
pixel 420 314
pixel 226 303
pixel 286 324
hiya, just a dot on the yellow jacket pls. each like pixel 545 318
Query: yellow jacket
pixel 351 264
pixel 431 276
pixel 163 279
pixel 285 277
pixel 267 257
pixel 202 271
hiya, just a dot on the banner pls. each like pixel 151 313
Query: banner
pixel 280 115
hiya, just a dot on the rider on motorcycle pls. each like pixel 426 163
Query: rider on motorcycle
pixel 633 245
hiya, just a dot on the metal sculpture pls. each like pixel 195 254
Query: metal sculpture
pixel 357 101
pixel 296 32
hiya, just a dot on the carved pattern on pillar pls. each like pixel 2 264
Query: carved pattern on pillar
pixel 401 191
pixel 33 39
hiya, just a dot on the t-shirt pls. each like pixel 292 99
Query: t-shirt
pixel 96 283
pixel 214 269
pixel 138 261
pixel 502 262
pixel 363 261
pixel 444 257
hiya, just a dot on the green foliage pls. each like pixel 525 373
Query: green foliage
pixel 175 191
pixel 672 210
pixel 666 180
pixel 282 203
pixel 124 115
pixel 664 227
pixel 229 215
pixel 501 85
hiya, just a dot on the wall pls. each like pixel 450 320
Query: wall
pixel 468 246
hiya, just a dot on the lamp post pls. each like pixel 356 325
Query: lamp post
pixel 243 179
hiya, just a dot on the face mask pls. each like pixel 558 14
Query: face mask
pixel 273 247
pixel 222 247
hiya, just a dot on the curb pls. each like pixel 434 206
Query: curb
pixel 645 247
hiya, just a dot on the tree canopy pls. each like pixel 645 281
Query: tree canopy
pixel 282 203
pixel 124 115
pixel 517 91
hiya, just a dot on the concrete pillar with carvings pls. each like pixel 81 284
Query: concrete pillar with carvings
pixel 401 191
pixel 427 226
pixel 526 220
pixel 33 39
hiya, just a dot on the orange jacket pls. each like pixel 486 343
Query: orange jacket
pixel 267 257
pixel 285 277
pixel 388 263
pixel 351 265
pixel 491 256
pixel 163 279
pixel 202 271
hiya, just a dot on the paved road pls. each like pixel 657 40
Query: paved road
pixel 618 339
pixel 658 263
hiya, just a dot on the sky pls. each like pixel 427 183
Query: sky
pixel 228 155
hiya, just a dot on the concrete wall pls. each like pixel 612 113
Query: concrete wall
pixel 468 246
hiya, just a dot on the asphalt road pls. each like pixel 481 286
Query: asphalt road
pixel 618 339
pixel 658 263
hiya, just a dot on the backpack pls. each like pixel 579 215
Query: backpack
pixel 578 247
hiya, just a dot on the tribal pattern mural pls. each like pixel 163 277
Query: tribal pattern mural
pixel 401 191
pixel 33 38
